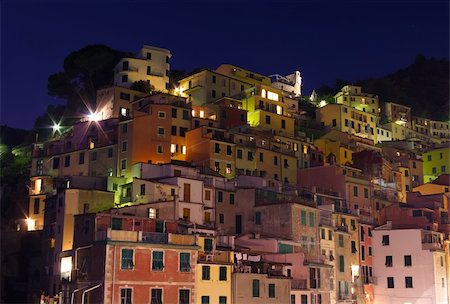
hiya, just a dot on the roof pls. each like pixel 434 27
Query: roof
pixel 443 180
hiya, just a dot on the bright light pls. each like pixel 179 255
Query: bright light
pixel 202 114
pixel 38 185
pixel 193 113
pixel 56 127
pixel 66 267
pixel 31 224
pixel 322 103
pixel 183 149
pixel 95 116
pixel 172 148
pixel 279 110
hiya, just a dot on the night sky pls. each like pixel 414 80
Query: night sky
pixel 352 40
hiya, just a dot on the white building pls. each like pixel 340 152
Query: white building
pixel 291 83
pixel 383 134
pixel 410 266
pixel 151 64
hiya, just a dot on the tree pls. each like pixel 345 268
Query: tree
pixel 142 86
pixel 85 71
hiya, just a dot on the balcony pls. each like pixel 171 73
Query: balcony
pixel 155 237
pixel 145 237
pixel 432 246
pixel 299 284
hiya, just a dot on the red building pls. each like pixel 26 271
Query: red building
pixel 126 259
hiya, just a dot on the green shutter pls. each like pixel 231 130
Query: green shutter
pixel 255 288
pixel 311 219
pixel 341 263
pixel 303 217
pixel 271 290
pixel 185 263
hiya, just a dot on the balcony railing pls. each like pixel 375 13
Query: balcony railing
pixel 299 284
pixel 155 237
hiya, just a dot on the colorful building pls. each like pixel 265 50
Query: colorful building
pixel 436 162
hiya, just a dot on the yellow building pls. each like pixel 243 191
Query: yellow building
pixel 213 273
pixel 354 97
pixel 208 86
pixel 258 154
pixel 269 109
pixel 114 101
pixel 347 119
pixel 151 65
pixel 435 163
pixel 341 153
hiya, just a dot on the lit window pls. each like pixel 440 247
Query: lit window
pixel 202 114
pixel 272 96
pixel 38 185
pixel 193 113
pixel 279 110
pixel 183 149
pixel 263 93
pixel 228 169
pixel 172 148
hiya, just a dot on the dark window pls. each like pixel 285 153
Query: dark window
pixel 67 161
pixel 222 273
pixel 94 155
pixel 185 115
pixel 258 218
pixel 341 263
pixel 174 113
pixel 217 148
pixel 124 128
pixel 124 96
pixel 125 295
pixel 385 240
pixel 157 260
pixel 149 70
pixel 213 93
pixel 174 130
pixel 283 124
pixel 221 218
pixel 184 296
pixel 56 162
pixel 261 156
pixel 334 122
pixel 268 119
pixel 116 224
pixel 167 59
pixel 213 79
pixel 232 198
pixel 229 151
pixel 408 261
pixel 124 78
pixel 222 300
pixel 205 299
pixel 220 196
pixel 143 189
pixel 271 290
pixel 208 245
pixel 255 288
pixel 183 131
pixel 239 153
pixel 355 191
pixel 390 282
pixel 408 282
pixel 366 193
pixel 185 262
pixel 388 262
pixel 206 272
pixel 36 206
pixel 127 259
pixel 156 296
pixel 110 153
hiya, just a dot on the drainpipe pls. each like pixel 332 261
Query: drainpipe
pixel 72 298
pixel 87 290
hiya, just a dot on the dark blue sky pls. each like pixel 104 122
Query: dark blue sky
pixel 351 40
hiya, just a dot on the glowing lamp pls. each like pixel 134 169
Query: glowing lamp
pixel 95 116
pixel 56 127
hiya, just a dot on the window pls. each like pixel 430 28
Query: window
pixel 408 261
pixel 185 114
pixel 159 149
pixel 161 131
pixel 322 234
pixel 255 288
pixel 341 240
pixel 216 148
pixel 363 252
pixel 221 218
pixel 330 235
pixel 116 224
pixel 125 295
pixel 124 78
pixel 385 240
pixel 213 93
pixel 36 206
pixel 124 146
pixel 275 161
pixel 311 219
pixel 304 299
pixel 341 263
pixel 123 164
pixel 208 245
pixel 362 233
pixel 229 150
pixel 206 272
pixel 268 119
pixel 56 161
pixel 239 153
pixel 292 298
pixel 220 196
pixel 184 296
pixel 434 170
pixel 158 260
pixel 124 96
pixel 370 251
pixel 429 157
pixel 355 191
pixel 110 153
pixel 67 161
pixel 258 218
pixel 222 273
pixel 142 192
pixel 283 124
pixel 127 259
pixel 388 262
pixel 442 169
pixel 213 79
pixel 149 56
pixel 156 296
pixel 366 193
pixel 161 114
pixel 353 245
pixel 369 231
pixel 334 122
pixel 205 299
pixel 94 155
pixel 303 217
pixel 271 290
pixel 124 128
pixel 231 198
pixel 261 156
pixel 222 300
pixel 408 282
pixel 185 262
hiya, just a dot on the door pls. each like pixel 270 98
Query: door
pixel 187 193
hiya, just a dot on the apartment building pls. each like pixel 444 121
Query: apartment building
pixel 353 96
pixel 436 162
pixel 150 64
